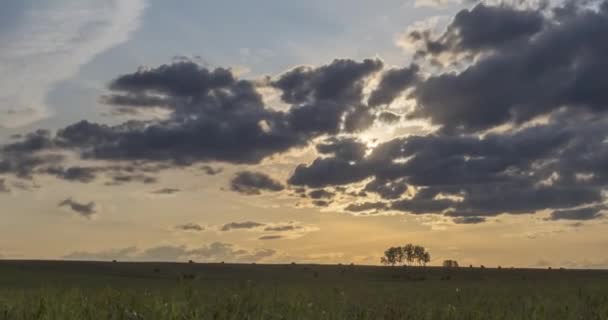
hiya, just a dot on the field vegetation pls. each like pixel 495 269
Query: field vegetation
pixel 115 290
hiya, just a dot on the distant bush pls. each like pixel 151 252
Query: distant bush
pixel 450 264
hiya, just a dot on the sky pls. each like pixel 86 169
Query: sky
pixel 308 131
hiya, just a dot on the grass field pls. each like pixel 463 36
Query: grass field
pixel 95 290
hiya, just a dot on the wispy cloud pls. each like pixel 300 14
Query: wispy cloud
pixel 50 44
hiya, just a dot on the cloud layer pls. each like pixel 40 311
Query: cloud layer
pixel 515 94
pixel 49 44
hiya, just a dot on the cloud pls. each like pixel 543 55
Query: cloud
pixel 241 225
pixel 514 92
pixel 4 188
pixel 469 220
pixel 321 194
pixel 285 227
pixel 366 206
pixel 86 210
pixel 392 83
pixel 582 214
pixel 48 44
pixel 208 170
pixel 194 227
pixel 167 191
pixel 73 174
pixel 253 183
pixel 213 252
pixel 120 179
pixel 517 172
pixel 214 116
pixel 388 117
pixel 112 254
pixel 434 3
pixel 270 237
pixel 563 48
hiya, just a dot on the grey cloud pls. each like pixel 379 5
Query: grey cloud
pixel 73 174
pixel 392 83
pixel 366 206
pixel 485 27
pixel 120 179
pixel 190 227
pixel 321 194
pixel 270 237
pixel 469 220
pixel 213 116
pixel 280 228
pixel 253 183
pixel 545 70
pixel 86 210
pixel 209 170
pixel 347 149
pixel 589 213
pixel 167 191
pixel 241 225
pixel 213 252
pixel 388 117
pixel 517 172
pixel 321 203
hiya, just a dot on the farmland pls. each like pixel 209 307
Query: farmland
pixel 116 290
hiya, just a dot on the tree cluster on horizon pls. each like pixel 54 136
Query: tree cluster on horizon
pixel 407 255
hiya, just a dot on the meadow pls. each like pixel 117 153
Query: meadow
pixel 116 290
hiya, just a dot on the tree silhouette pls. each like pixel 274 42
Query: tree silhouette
pixel 407 255
pixel 392 256
pixel 450 264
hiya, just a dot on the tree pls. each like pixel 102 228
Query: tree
pixel 392 256
pixel 408 253
pixel 426 258
pixel 419 252
pixel 450 264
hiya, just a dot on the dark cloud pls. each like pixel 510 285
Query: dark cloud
pixel 86 210
pixel 537 64
pixel 347 148
pixel 469 220
pixel 121 179
pixel 209 170
pixel 190 227
pixel 387 189
pixel 321 194
pixel 516 172
pixel 241 225
pixel 483 28
pixel 340 169
pixel 578 214
pixel 24 156
pixel 167 191
pixel 388 117
pixel 321 203
pixel 212 116
pixel 366 206
pixel 253 183
pixel 393 83
pixel 73 174
pixel 270 237
pixel 284 227
pixel 340 81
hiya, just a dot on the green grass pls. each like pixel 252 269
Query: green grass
pixel 81 290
